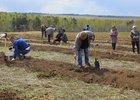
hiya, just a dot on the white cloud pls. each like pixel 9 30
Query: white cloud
pixel 3 10
pixel 73 6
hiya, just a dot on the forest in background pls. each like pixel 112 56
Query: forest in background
pixel 31 22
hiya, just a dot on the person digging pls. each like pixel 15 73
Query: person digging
pixel 82 43
pixel 20 48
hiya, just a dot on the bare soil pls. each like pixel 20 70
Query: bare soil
pixel 117 78
pixel 107 54
pixel 9 94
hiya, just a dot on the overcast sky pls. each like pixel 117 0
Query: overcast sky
pixel 94 7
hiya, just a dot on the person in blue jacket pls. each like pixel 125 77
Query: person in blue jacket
pixel 20 47
pixel 87 28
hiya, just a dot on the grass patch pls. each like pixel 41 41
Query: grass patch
pixel 42 74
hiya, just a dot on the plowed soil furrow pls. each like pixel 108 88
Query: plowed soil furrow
pixel 117 78
pixel 115 56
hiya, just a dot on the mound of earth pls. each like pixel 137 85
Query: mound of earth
pixel 2 57
pixel 116 78
pixel 10 94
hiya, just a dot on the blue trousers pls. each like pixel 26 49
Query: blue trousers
pixel 23 52
pixel 80 56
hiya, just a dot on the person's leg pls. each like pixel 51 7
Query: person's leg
pixel 138 45
pixel 113 46
pixel 42 34
pixel 23 52
pixel 86 56
pixel 133 46
pixel 49 38
pixel 80 57
pixel 45 34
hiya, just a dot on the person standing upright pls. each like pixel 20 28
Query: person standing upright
pixel 114 37
pixel 43 31
pixel 87 28
pixel 135 39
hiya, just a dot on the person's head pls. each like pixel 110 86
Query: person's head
pixel 83 35
pixel 87 25
pixel 42 26
pixel 134 27
pixel 12 39
pixel 114 27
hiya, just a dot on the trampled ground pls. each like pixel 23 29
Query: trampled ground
pixel 120 70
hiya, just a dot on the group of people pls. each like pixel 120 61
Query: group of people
pixel 49 31
pixel 81 43
pixel 134 34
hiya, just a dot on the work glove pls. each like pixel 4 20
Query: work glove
pixel 13 59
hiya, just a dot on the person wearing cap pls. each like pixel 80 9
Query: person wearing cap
pixel 135 39
pixel 82 43
pixel 20 47
pixel 114 36
pixel 3 35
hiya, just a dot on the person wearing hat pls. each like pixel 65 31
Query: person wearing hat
pixel 135 39
pixel 82 43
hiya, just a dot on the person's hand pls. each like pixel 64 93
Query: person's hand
pixel 13 59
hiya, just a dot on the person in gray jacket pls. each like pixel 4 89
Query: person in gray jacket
pixel 82 43
pixel 49 31
pixel 135 39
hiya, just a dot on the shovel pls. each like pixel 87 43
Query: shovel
pixel 96 62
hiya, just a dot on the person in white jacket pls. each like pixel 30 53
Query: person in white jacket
pixel 3 35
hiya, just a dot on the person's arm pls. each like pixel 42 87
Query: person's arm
pixel 16 50
pixel 76 45
pixel 131 35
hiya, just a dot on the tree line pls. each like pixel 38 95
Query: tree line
pixel 32 22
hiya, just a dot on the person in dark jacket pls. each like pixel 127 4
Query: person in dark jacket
pixel 135 39
pixel 61 36
pixel 82 43
pixel 20 47
pixel 43 27
pixel 87 28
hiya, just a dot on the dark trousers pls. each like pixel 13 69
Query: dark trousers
pixel 49 38
pixel 135 43
pixel 113 46
pixel 43 34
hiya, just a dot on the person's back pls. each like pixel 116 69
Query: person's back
pixel 21 47
pixel 20 43
pixel 50 30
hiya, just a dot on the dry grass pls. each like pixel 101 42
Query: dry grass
pixel 28 85
pixel 56 88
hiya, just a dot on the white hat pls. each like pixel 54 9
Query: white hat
pixel 133 26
